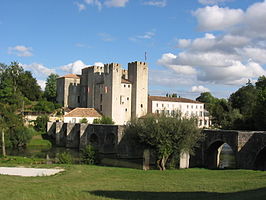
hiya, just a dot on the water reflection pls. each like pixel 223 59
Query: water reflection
pixel 40 152
pixel 227 158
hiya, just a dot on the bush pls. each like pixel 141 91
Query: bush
pixel 89 155
pixel 103 120
pixel 44 106
pixel 40 123
pixel 84 120
pixel 65 158
pixel 20 136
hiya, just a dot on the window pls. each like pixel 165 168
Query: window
pixel 126 109
pixel 200 113
pixel 157 104
pixel 205 122
pixel 128 98
pixel 101 98
pixel 200 122
pixel 162 105
pixel 157 111
pixel 196 107
pixel 78 99
pixel 128 86
pixel 101 107
pixel 191 106
pixel 124 85
pixel 187 106
pixel 141 105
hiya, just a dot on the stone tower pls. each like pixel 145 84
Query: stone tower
pixel 138 76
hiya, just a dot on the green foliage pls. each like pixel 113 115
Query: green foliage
pixel 40 123
pixel 44 106
pixel 50 88
pixel 166 135
pixel 103 120
pixel 89 155
pixel 29 86
pixel 171 95
pixel 244 110
pixel 65 158
pixel 20 136
pixel 83 120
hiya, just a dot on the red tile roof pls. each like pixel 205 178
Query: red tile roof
pixel 83 112
pixel 172 99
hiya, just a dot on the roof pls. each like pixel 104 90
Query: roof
pixel 83 112
pixel 125 81
pixel 70 76
pixel 172 99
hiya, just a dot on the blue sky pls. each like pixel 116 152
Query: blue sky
pixel 192 46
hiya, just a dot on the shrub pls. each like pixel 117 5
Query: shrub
pixel 89 155
pixel 40 123
pixel 103 120
pixel 20 136
pixel 84 120
pixel 65 158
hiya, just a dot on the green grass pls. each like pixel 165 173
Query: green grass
pixel 38 142
pixel 95 182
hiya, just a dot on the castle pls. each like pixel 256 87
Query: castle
pixel 115 92
pixel 122 94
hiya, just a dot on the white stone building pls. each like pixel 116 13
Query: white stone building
pixel 121 94
pixel 76 115
pixel 187 107
pixel 115 92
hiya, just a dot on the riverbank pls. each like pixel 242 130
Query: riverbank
pixel 97 182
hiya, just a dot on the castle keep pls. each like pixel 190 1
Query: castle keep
pixel 115 92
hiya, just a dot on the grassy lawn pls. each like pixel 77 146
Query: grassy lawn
pixel 96 182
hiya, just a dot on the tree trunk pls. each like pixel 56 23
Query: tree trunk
pixel 3 143
pixel 161 163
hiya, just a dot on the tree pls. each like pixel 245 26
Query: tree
pixel 166 135
pixel 29 86
pixel 259 114
pixel 50 88
pixel 40 123
pixel 244 99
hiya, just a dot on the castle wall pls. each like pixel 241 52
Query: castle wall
pixel 138 75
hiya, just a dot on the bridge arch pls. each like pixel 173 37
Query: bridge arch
pixel 260 160
pixel 213 154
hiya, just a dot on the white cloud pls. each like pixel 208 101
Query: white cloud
pixel 216 18
pixel 99 64
pixel 106 37
pixel 231 57
pixel 147 35
pixel 212 2
pixel 77 66
pixel 41 83
pixel 107 3
pixel 168 60
pixel 157 3
pixel 38 70
pixel 20 50
pixel 115 3
pixel 80 6
pixel 96 3
pixel 199 89
pixel 74 67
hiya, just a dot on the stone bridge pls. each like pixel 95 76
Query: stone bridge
pixel 249 149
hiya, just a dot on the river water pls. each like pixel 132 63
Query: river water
pixel 227 158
